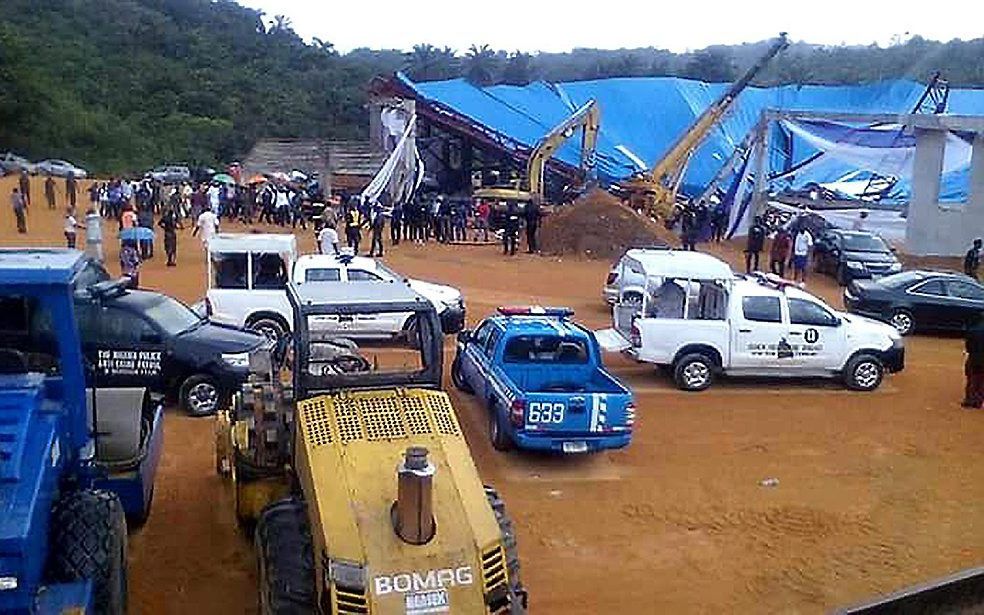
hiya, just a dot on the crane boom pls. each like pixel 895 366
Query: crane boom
pixel 665 176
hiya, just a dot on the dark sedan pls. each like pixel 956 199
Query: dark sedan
pixel 854 255
pixel 921 300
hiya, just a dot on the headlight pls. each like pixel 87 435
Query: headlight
pixel 8 583
pixel 236 359
pixel 855 265
pixel 896 267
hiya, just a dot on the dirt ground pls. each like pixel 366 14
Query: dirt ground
pixel 876 491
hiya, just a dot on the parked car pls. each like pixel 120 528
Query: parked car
pixel 853 255
pixel 170 174
pixel 12 163
pixel 540 378
pixel 322 268
pixel 59 168
pixel 698 320
pixel 611 290
pixel 918 300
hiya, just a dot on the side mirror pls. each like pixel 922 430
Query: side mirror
pixel 464 336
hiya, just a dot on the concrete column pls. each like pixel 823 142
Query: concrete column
pixel 923 226
pixel 376 125
pixel 975 198
pixel 760 159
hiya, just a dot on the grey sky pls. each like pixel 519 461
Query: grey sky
pixel 549 25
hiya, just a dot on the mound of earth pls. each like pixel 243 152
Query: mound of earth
pixel 598 225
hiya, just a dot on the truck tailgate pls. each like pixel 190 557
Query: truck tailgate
pixel 576 414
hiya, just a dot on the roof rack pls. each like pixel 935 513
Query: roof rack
pixel 771 280
pixel 108 289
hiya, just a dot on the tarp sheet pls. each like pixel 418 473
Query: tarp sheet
pixel 642 117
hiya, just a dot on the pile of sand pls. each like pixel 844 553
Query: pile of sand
pixel 598 225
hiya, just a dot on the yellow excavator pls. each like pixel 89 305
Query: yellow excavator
pixel 531 188
pixel 655 191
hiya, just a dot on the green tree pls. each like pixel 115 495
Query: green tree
pixel 518 69
pixel 481 65
pixel 711 65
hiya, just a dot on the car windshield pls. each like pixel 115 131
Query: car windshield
pixel 172 316
pixel 901 280
pixel 864 243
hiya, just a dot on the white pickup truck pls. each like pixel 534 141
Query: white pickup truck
pixel 698 319
pixel 248 276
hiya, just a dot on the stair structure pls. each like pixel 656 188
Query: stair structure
pixel 349 165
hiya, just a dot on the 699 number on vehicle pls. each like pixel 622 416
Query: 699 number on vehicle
pixel 546 413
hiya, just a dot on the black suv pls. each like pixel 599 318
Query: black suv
pixel 853 255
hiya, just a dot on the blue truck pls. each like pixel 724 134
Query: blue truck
pixel 77 461
pixel 541 378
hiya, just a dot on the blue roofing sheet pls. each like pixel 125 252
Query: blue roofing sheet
pixel 642 117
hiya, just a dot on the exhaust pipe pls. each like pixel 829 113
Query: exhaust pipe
pixel 413 512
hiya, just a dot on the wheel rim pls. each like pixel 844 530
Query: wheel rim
pixel 696 375
pixel 866 374
pixel 267 329
pixel 203 398
pixel 902 322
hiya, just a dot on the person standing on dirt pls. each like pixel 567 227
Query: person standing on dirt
pixel 18 205
pixel 170 221
pixel 719 222
pixel 510 230
pixel 71 189
pixel 71 227
pixel 130 263
pixel 207 225
pixel 49 191
pixel 378 224
pixel 779 252
pixel 802 244
pixel 972 260
pixel 145 219
pixel 353 228
pixel 481 219
pixel 532 215
pixel 974 365
pixel 756 242
pixel 24 183
pixel 688 229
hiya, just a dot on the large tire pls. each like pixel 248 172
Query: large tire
pixel 199 395
pixel 88 541
pixel 694 372
pixel 272 327
pixel 903 321
pixel 517 594
pixel 864 372
pixel 500 439
pixel 285 560
pixel 458 378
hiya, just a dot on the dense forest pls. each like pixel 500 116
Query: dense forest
pixel 119 85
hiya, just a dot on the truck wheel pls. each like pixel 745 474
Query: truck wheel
pixel 902 321
pixel 285 559
pixel 694 372
pixel 458 378
pixel 88 541
pixel 199 395
pixel 271 327
pixel 517 593
pixel 864 372
pixel 412 331
pixel 499 438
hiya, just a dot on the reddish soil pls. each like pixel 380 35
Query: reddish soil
pixel 875 491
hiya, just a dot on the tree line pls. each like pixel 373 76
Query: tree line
pixel 120 85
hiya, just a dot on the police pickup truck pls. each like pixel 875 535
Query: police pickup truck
pixel 541 378
pixel 697 319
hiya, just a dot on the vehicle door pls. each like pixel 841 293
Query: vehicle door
pixel 324 276
pixel 129 350
pixel 967 300
pixel 932 306
pixel 472 358
pixel 760 337
pixel 490 384
pixel 228 288
pixel 367 324
pixel 816 335
pixel 268 280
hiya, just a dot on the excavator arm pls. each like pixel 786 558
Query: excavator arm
pixel 588 118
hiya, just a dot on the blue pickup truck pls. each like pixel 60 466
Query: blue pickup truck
pixel 541 378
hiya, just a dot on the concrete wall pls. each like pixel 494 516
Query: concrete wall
pixel 932 228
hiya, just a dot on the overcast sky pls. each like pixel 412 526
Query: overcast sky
pixel 550 25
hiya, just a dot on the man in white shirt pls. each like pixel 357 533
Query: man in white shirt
pixel 207 225
pixel 93 234
pixel 213 199
pixel 328 240
pixel 801 254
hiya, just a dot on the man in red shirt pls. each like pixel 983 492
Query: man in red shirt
pixel 482 211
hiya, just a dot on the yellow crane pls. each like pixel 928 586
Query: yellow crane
pixel 655 191
pixel 531 188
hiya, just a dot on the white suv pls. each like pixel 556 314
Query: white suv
pixel 248 276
